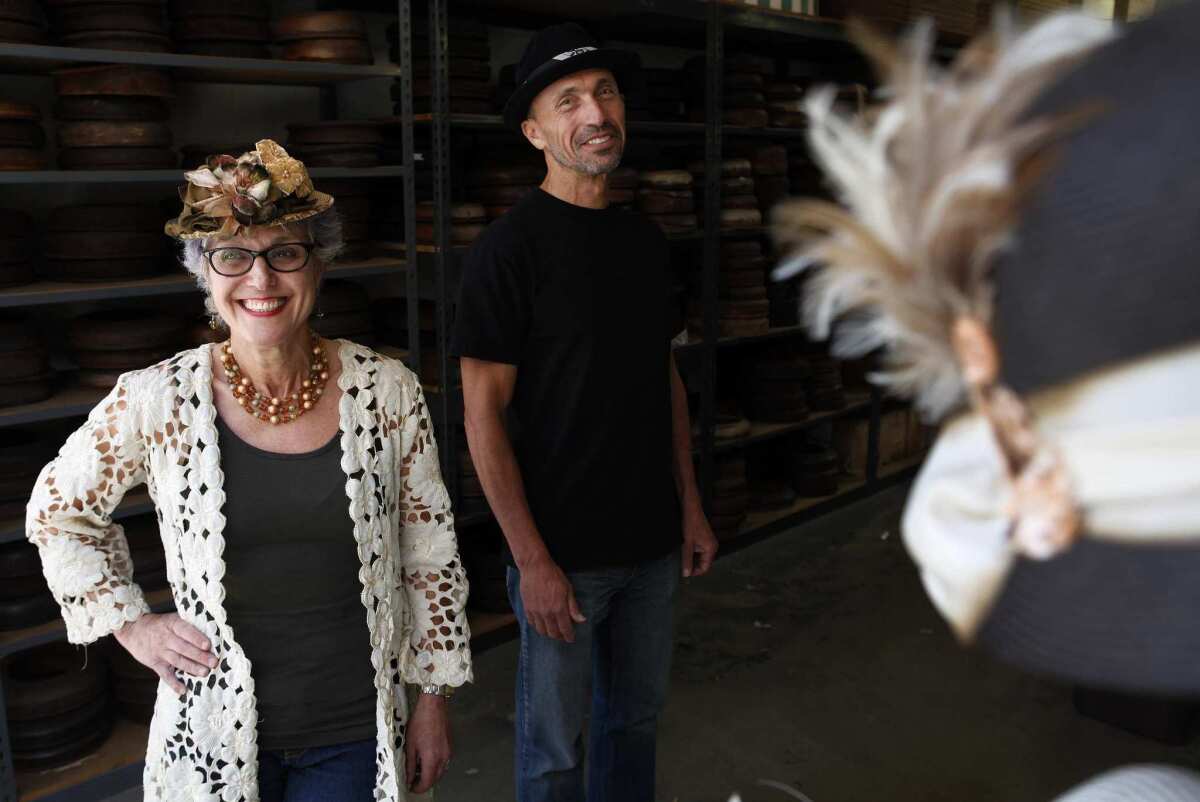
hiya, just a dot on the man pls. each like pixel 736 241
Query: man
pixel 562 317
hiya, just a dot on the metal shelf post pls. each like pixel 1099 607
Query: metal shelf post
pixel 713 109
pixel 440 129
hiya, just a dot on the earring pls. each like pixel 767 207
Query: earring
pixel 214 321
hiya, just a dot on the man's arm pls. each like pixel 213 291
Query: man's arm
pixel 699 543
pixel 547 595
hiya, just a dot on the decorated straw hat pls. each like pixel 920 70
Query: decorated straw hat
pixel 1030 278
pixel 263 187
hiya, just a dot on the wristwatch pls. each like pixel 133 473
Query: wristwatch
pixel 444 691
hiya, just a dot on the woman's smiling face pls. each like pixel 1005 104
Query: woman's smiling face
pixel 265 307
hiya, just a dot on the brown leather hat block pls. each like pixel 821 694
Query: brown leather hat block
pixel 113 134
pixel 788 119
pixel 21 159
pixel 666 179
pixel 119 40
pixel 25 364
pixel 459 212
pixel 622 197
pixel 104 242
pixel 124 330
pixel 460 233
pixel 767 495
pixel 468 220
pixel 770 190
pixel 335 132
pixel 332 50
pixel 120 80
pixel 674 224
pixel 666 201
pixel 749 63
pixel 111 108
pixel 26 391
pixel 116 158
pixel 740 279
pixel 501 195
pixel 622 178
pixel 815 473
pixel 785 90
pixel 740 249
pixel 22 33
pixel 16 273
pixel 318 25
pixel 194 155
pixel 223 49
pixel 106 217
pixel 459 89
pixel 767 159
pixel 22 134
pixel 219 9
pixel 337 155
pixel 21 137
pixel 458 105
pixel 740 219
pixel 510 175
pixel 87 18
pixel 730 168
pixel 731 427
pixel 220 29
pixel 465 69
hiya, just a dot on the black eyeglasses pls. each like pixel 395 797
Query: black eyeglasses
pixel 285 257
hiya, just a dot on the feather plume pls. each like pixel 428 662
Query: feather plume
pixel 930 184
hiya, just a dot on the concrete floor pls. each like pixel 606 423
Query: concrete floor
pixel 814 660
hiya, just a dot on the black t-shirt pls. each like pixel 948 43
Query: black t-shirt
pixel 575 298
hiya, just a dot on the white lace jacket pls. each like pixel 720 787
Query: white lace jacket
pixel 158 426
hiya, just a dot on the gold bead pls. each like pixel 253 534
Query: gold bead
pixel 274 420
pixel 324 376
pixel 272 409
pixel 246 381
pixel 306 384
pixel 317 350
pixel 306 396
pixel 274 400
pixel 308 404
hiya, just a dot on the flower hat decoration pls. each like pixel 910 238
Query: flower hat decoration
pixel 263 187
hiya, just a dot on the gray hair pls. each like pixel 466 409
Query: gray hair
pixel 324 229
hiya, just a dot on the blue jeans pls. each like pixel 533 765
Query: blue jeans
pixel 339 773
pixel 623 653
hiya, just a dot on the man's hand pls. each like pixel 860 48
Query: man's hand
pixel 549 600
pixel 699 543
pixel 427 746
pixel 166 643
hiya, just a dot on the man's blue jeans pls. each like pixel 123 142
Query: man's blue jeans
pixel 623 654
pixel 341 773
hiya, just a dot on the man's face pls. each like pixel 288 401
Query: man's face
pixel 580 121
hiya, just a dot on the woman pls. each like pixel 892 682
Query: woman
pixel 296 483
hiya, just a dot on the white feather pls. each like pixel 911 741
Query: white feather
pixel 918 182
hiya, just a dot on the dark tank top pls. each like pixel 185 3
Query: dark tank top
pixel 292 594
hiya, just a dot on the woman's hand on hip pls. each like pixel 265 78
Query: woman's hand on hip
pixel 166 643
pixel 427 743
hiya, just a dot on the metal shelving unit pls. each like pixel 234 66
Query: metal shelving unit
pixel 432 272
pixel 117 764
